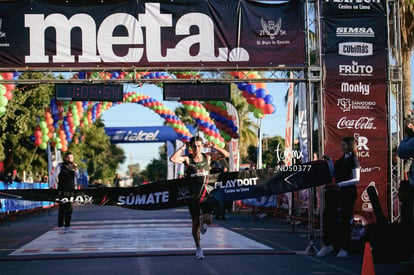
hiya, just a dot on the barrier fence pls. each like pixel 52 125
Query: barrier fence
pixel 12 206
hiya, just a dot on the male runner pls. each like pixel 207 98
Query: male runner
pixel 197 164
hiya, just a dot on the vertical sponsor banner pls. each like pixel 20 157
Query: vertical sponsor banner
pixel 234 143
pixel 170 164
pixel 179 168
pixel 355 59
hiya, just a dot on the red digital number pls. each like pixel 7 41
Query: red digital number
pixel 106 92
pixel 93 92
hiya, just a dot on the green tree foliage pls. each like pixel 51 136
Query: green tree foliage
pixel 100 157
pixel 157 168
pixel 17 125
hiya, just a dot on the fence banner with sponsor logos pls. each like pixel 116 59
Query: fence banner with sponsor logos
pixel 355 90
pixel 151 34
pixel 179 192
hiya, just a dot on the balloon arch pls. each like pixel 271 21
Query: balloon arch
pixel 63 118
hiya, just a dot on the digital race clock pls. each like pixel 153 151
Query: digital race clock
pixel 89 92
pixel 197 91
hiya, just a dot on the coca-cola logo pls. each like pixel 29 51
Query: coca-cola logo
pixel 362 123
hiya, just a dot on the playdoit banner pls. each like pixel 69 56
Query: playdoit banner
pixel 150 34
pixel 179 192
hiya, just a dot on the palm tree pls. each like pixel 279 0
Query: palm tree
pixel 406 11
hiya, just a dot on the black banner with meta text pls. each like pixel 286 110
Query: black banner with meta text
pixel 179 192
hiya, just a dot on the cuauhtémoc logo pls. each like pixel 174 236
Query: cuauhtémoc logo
pixel 102 41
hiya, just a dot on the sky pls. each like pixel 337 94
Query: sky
pixel 133 114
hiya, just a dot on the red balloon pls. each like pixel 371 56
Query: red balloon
pixel 268 109
pixel 8 95
pixel 259 103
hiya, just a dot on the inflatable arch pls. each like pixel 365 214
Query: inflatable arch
pixel 64 118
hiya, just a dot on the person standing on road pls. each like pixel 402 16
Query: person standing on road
pixel 339 201
pixel 197 164
pixel 117 180
pixel 66 174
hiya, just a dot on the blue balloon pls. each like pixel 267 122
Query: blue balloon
pixel 114 75
pixel 242 86
pixel 251 88
pixel 268 99
pixel 82 75
pixel 260 93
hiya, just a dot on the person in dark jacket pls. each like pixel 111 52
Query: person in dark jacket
pixel 66 174
pixel 339 201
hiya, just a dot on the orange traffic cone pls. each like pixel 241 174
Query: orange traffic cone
pixel 367 263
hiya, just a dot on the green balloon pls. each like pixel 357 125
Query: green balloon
pixel 2 111
pixel 43 145
pixel 258 113
pixel 42 124
pixel 2 89
pixel 3 101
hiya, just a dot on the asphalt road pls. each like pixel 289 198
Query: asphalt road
pixel 113 240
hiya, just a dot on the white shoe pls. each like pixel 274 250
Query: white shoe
pixel 342 254
pixel 69 230
pixel 199 254
pixel 203 226
pixel 61 230
pixel 324 251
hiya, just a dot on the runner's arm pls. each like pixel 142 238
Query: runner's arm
pixel 220 153
pixel 177 157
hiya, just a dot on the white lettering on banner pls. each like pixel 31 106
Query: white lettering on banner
pixel 144 199
pixel 81 199
pixel 354 32
pixel 355 88
pixel 236 183
pixel 281 154
pixel 104 41
pixel 355 49
pixel 141 136
pixel 355 70
pixel 363 123
pixel 346 104
pixel 370 169
pixel 362 145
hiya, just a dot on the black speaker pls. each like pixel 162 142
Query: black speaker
pixel 391 243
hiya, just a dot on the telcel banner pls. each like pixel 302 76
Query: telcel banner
pixel 142 134
pixel 157 34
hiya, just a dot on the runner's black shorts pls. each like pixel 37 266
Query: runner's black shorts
pixel 195 207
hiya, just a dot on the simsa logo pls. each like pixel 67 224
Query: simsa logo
pixel 102 40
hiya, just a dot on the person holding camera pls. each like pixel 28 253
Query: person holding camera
pixel 66 174
pixel 197 164
pixel 406 190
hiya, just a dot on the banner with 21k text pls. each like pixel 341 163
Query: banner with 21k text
pixel 355 50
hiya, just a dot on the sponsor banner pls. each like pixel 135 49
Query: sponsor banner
pixel 269 29
pixel 355 97
pixel 372 68
pixel 361 37
pixel 351 8
pixel 151 34
pixel 178 192
pixel 142 134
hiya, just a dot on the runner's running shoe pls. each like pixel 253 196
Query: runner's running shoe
pixel 203 225
pixel 199 254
